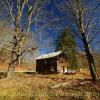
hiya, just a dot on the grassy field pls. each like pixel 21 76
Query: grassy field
pixel 25 86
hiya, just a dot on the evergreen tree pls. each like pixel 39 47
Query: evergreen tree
pixel 65 42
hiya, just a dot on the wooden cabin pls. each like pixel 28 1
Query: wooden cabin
pixel 47 63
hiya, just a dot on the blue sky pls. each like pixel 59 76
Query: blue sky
pixel 50 15
pixel 63 22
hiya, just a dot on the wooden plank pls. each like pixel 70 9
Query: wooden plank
pixel 63 84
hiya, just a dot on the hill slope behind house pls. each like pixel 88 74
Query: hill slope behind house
pixel 82 61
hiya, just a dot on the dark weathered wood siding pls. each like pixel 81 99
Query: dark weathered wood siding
pixel 46 66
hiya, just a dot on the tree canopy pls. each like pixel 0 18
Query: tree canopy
pixel 66 43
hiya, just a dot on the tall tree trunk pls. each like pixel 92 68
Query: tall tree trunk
pixel 10 71
pixel 90 58
pixel 11 66
pixel 13 59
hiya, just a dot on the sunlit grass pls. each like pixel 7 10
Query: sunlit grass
pixel 36 87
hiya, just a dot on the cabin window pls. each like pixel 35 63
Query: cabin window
pixel 45 62
pixel 52 68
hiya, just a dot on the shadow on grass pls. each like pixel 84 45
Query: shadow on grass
pixel 3 75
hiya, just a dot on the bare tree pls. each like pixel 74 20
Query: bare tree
pixel 77 12
pixel 21 21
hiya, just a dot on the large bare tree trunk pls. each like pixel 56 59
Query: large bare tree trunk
pixel 14 53
pixel 11 66
pixel 20 38
pixel 89 58
pixel 10 72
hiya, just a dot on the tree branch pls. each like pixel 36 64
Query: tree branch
pixel 91 18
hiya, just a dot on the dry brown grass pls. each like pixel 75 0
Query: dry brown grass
pixel 38 87
pixel 4 67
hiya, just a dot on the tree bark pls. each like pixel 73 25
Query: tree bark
pixel 11 66
pixel 90 59
pixel 13 59
pixel 10 72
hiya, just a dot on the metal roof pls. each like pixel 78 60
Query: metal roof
pixel 49 55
